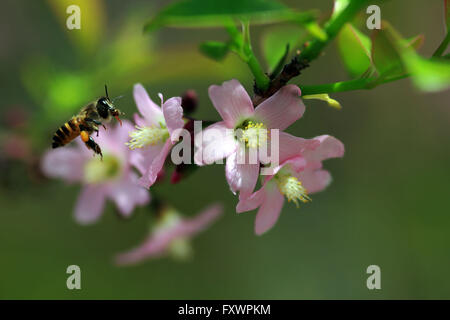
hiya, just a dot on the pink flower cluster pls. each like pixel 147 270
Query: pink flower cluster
pixel 300 168
pixel 145 147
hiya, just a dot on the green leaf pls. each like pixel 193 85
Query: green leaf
pixel 354 47
pixel 415 42
pixel 385 52
pixel 314 28
pixel 427 74
pixel 339 5
pixel 281 63
pixel 274 43
pixel 207 13
pixel 215 50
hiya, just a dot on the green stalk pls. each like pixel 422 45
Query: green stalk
pixel 241 45
pixel 356 84
pixel 444 44
pixel 332 28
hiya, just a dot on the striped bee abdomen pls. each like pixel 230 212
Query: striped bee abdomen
pixel 66 133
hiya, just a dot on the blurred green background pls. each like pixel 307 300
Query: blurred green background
pixel 388 204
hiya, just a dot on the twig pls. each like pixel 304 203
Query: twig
pixel 311 52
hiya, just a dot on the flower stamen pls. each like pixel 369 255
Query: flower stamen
pixel 254 134
pixel 97 171
pixel 144 136
pixel 292 189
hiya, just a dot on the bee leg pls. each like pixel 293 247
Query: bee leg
pixel 90 143
pixel 96 122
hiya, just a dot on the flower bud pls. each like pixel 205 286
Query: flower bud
pixel 189 101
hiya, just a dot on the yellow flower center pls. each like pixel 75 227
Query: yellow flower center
pixel 97 170
pixel 145 136
pixel 168 219
pixel 254 134
pixel 292 188
pixel 180 249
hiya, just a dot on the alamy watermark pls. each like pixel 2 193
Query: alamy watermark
pixel 374 20
pixel 374 280
pixel 74 280
pixel 74 19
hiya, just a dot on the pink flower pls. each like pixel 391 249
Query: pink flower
pixel 111 177
pixel 150 141
pixel 236 109
pixel 171 235
pixel 299 174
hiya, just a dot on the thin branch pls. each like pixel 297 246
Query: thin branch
pixel 311 52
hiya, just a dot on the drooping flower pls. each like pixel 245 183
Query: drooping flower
pixel 110 178
pixel 171 236
pixel 236 109
pixel 157 129
pixel 299 175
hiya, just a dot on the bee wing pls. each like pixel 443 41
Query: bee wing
pixel 89 111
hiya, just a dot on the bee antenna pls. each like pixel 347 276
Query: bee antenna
pixel 106 91
pixel 117 98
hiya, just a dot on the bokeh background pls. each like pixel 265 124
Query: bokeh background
pixel 388 204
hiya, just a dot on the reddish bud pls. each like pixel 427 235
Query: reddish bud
pixel 16 117
pixel 176 177
pixel 189 101
pixel 161 175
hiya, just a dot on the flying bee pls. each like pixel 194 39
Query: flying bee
pixel 86 123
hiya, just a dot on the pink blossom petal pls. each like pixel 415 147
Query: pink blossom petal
pixel 269 211
pixel 154 245
pixel 252 202
pixel 231 101
pixel 66 163
pixel 296 163
pixel 217 142
pixel 314 180
pixel 90 204
pixel 142 158
pixel 291 146
pixel 200 222
pixel 157 243
pixel 329 147
pixel 149 110
pixel 281 109
pixel 173 114
pixel 127 194
pixel 113 139
pixel 149 177
pixel 140 122
pixel 241 177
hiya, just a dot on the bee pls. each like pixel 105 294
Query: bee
pixel 86 123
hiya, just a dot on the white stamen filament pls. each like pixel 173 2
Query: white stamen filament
pixel 144 136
